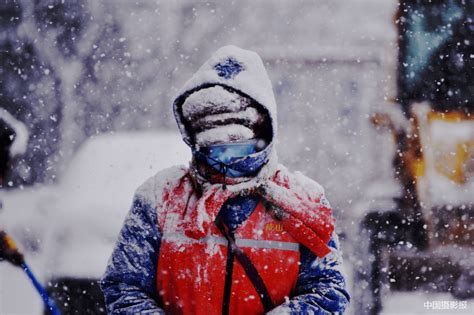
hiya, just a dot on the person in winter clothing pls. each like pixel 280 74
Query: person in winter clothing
pixel 235 232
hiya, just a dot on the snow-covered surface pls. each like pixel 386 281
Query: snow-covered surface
pixel 444 191
pixel 250 115
pixel 222 134
pixel 112 166
pixel 74 225
pixel 212 100
pixel 105 173
pixel 24 216
pixel 17 294
pixel 21 133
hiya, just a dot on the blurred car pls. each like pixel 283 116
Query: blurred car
pixel 69 229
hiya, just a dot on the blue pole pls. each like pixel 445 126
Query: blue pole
pixel 49 302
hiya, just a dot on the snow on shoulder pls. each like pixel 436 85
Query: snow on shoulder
pixel 153 188
pixel 299 182
pixel 308 183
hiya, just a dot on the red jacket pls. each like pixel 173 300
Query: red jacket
pixel 191 268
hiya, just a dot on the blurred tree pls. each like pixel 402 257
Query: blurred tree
pixel 28 90
pixel 73 69
pixel 68 31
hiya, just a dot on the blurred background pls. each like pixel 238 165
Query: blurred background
pixel 375 103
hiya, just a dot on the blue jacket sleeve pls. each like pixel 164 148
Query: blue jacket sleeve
pixel 320 288
pixel 129 282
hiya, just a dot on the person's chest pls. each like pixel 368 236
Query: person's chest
pixel 192 273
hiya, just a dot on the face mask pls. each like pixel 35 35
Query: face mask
pixel 234 159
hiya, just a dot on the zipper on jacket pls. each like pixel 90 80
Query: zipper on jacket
pixel 229 269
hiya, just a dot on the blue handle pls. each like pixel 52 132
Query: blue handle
pixel 49 302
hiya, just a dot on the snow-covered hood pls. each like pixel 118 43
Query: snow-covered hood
pixel 235 68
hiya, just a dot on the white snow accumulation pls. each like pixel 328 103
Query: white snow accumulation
pixel 21 133
pixel 78 220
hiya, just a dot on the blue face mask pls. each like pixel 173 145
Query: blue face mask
pixel 234 159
